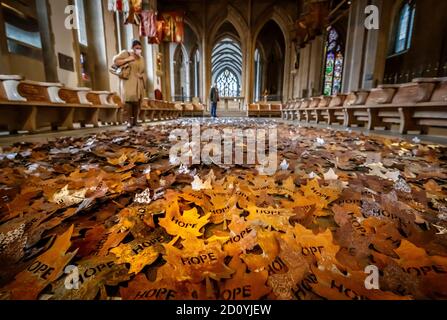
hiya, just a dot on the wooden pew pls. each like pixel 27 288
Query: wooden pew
pixel 285 110
pixel 264 110
pixel 312 113
pixel 395 105
pixel 355 115
pixel 275 110
pixel 83 110
pixel 188 110
pixel 321 113
pixel 199 110
pixel 303 112
pixel 108 112
pixel 431 113
pixel 34 105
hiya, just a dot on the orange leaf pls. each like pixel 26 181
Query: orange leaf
pixel 44 270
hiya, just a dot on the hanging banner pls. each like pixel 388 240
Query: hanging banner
pixel 158 34
pixel 173 29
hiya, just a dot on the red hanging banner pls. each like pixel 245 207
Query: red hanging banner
pixel 173 29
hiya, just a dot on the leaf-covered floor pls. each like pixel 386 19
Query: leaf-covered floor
pixel 112 209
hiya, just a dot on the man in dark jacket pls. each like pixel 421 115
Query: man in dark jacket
pixel 214 98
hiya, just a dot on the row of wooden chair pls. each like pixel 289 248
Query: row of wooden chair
pixel 152 110
pixel 414 106
pixel 261 110
pixel 29 105
pixel 193 110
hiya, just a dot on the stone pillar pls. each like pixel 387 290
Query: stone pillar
pixel 378 41
pixel 206 71
pixel 248 72
pixel 46 35
pixel 316 66
pixel 96 44
pixel 4 54
pixel 166 78
pixel 288 61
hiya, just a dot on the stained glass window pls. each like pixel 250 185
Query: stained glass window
pixel 334 64
pixel 226 60
pixel 228 84
pixel 405 27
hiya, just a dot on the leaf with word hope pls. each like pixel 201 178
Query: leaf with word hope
pixel 386 236
pixel 98 241
pixel 186 225
pixel 84 280
pixel 243 285
pixel 322 195
pixel 196 261
pixel 140 252
pixel 242 237
pixel 287 188
pixel 140 288
pixel 270 250
pixel 335 286
pixel 320 247
pixel 223 209
pixel 353 236
pixel 244 196
pixel 42 271
pixel 276 218
pixel 431 270
pixel 197 198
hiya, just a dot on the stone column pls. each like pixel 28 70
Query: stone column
pixel 248 74
pixel 355 46
pixel 166 78
pixel 316 66
pixel 96 44
pixel 4 54
pixel 288 61
pixel 48 53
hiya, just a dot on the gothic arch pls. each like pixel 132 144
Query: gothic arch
pixel 284 21
pixel 180 72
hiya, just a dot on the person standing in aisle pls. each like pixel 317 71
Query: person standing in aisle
pixel 214 98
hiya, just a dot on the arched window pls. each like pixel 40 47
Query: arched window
pixel 228 84
pixel 226 60
pixel 334 64
pixel 404 30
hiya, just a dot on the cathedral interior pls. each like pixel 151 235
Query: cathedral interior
pixel 223 150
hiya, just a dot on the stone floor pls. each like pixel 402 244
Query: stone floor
pixel 342 216
pixel 45 136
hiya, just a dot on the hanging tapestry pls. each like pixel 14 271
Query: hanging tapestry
pixel 173 30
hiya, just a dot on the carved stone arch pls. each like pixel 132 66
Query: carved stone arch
pixel 235 18
pixel 232 16
pixel 285 24
pixel 191 22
